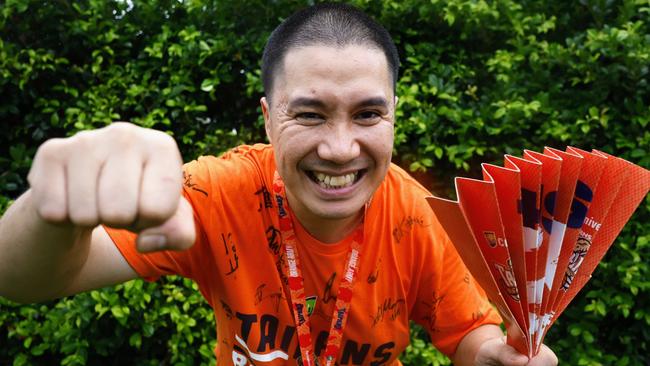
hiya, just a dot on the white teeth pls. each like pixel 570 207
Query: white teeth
pixel 339 181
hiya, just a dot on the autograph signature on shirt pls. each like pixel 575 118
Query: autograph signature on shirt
pixel 389 308
pixel 405 225
pixel 432 317
pixel 262 294
pixel 327 293
pixel 187 182
pixel 231 252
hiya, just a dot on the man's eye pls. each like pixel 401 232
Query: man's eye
pixel 368 116
pixel 309 117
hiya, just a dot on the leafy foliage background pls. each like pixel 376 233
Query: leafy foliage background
pixel 479 79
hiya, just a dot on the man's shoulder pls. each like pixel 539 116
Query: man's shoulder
pixel 257 153
pixel 399 182
pixel 254 151
pixel 240 169
pixel 236 162
pixel 403 199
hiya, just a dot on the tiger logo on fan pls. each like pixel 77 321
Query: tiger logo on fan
pixel 508 279
pixel 582 246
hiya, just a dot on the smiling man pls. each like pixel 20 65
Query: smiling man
pixel 312 250
pixel 330 121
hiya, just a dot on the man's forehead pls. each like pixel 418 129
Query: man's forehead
pixel 351 56
pixel 315 71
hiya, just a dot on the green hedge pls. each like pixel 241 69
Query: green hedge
pixel 479 79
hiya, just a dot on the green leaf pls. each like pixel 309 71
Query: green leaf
pixel 117 311
pixel 207 85
pixel 135 340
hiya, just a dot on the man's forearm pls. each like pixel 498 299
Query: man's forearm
pixel 38 260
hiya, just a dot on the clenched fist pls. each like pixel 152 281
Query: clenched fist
pixel 121 176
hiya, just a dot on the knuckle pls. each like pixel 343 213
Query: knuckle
pixel 84 218
pixel 50 150
pixel 122 133
pixel 119 217
pixel 52 213
pixel 121 125
pixel 163 141
pixel 32 177
pixel 83 139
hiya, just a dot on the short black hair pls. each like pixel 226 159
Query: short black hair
pixel 330 24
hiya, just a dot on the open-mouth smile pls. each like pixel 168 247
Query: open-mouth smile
pixel 331 182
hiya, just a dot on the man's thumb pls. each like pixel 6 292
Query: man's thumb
pixel 177 233
pixel 495 351
pixel 509 356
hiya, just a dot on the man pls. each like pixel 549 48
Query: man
pixel 315 250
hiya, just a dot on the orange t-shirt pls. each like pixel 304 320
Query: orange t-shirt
pixel 408 268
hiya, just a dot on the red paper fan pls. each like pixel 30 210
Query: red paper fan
pixel 533 231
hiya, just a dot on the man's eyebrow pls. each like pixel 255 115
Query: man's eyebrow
pixel 317 103
pixel 305 102
pixel 373 102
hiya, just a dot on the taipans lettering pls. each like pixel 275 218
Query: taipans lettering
pixel 432 316
pixel 267 201
pixel 390 307
pixel 187 182
pixel 261 295
pixel 508 278
pixel 273 239
pixel 272 334
pixel 231 252
pixel 578 255
pixel 406 224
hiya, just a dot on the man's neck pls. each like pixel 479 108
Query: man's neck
pixel 332 231
pixel 327 231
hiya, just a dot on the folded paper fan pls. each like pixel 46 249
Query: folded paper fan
pixel 533 231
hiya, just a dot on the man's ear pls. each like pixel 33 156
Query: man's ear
pixel 267 117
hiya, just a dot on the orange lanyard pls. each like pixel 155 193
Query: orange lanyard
pixel 297 285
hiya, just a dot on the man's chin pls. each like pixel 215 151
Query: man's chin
pixel 338 213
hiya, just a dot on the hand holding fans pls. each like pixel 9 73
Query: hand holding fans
pixel 533 231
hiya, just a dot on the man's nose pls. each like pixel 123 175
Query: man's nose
pixel 339 143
